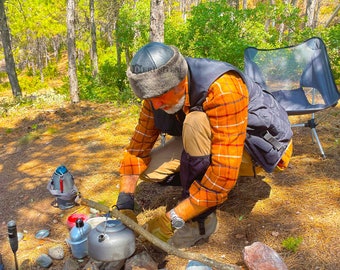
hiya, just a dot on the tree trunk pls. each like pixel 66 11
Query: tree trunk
pixel 157 21
pixel 9 59
pixel 234 3
pixel 117 42
pixel 182 8
pixel 316 14
pixel 294 3
pixel 311 8
pixel 94 55
pixel 71 50
pixel 56 46
pixel 39 51
pixel 244 4
pixel 282 26
pixel 269 22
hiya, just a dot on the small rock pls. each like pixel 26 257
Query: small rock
pixel 142 260
pixel 116 265
pixel 93 265
pixel 259 256
pixel 276 234
pixel 239 236
pixel 195 265
pixel 20 236
pixel 70 265
pixel 96 265
pixel 44 260
pixel 56 252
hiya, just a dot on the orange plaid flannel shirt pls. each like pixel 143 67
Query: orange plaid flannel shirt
pixel 226 106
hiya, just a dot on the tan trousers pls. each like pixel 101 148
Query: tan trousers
pixel 165 160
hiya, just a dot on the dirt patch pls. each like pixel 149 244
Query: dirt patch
pixel 88 139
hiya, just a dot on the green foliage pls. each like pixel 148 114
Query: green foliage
pixel 292 243
pixel 34 24
pixel 29 137
pixel 104 120
pixel 133 25
pixel 272 26
pixel 51 71
pixel 5 86
pixel 215 31
pixel 331 37
pixel 38 18
pixel 20 105
pixel 30 84
pixel 3 77
pixel 220 32
pixel 51 130
pixel 8 130
pixel 110 84
pixel 176 31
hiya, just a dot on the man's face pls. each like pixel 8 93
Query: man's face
pixel 173 100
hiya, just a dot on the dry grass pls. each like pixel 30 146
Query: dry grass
pixel 303 201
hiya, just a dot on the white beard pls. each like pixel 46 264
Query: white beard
pixel 176 107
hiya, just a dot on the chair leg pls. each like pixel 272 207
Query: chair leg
pixel 316 137
pixel 312 125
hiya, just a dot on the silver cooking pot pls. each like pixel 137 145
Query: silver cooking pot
pixel 110 241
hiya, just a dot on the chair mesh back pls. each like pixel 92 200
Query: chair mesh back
pixel 299 77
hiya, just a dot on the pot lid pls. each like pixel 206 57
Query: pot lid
pixel 113 225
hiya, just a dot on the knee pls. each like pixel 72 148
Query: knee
pixel 197 134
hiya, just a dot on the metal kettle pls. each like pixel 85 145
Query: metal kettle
pixel 110 241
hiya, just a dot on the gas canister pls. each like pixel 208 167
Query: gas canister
pixel 63 188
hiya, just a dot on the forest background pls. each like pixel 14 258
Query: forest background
pixel 108 33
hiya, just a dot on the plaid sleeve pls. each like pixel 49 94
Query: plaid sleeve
pixel 227 108
pixel 137 153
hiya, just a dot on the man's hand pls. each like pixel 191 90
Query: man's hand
pixel 160 227
pixel 125 204
pixel 125 201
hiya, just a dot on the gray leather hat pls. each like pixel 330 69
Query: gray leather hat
pixel 155 69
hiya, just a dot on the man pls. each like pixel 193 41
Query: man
pixel 213 113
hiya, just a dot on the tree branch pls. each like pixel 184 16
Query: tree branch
pixel 332 16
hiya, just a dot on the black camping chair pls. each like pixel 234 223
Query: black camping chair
pixel 299 77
